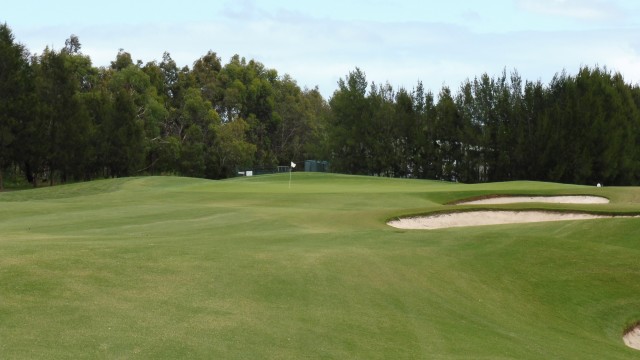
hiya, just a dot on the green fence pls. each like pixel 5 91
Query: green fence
pixel 316 166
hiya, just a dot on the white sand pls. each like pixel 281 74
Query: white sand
pixel 632 338
pixel 478 218
pixel 571 199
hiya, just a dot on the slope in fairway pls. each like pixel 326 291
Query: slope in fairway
pixel 165 267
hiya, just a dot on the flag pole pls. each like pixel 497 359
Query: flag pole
pixel 290 171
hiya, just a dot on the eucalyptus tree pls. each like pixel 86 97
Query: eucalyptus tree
pixel 316 114
pixel 124 145
pixel 207 77
pixel 231 149
pixel 197 120
pixel 291 118
pixel 126 78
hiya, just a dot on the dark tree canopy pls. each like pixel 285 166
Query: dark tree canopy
pixel 579 129
pixel 15 92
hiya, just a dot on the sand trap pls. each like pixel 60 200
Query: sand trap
pixel 570 199
pixel 478 218
pixel 632 338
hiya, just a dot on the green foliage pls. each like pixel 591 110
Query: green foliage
pixel 230 150
pixel 60 130
pixel 447 132
pixel 192 154
pixel 350 114
pixel 14 97
pixel 63 119
pixel 123 61
pixel 124 143
pixel 579 129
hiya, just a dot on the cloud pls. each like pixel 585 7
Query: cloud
pixel 319 51
pixel 471 16
pixel 577 9
pixel 242 9
pixel 625 60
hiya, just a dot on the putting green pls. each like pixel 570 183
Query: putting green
pixel 167 267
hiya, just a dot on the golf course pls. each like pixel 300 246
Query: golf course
pixel 255 268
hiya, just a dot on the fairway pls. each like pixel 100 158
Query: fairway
pixel 248 268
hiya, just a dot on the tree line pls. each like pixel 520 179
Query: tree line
pixel 63 119
pixel 581 129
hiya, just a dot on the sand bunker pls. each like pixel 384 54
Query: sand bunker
pixel 478 218
pixel 632 338
pixel 570 199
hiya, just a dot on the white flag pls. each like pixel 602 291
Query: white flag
pixel 293 164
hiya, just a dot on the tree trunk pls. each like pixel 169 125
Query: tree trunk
pixel 29 174
pixel 1 180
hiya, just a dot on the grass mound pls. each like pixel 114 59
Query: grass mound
pixel 165 267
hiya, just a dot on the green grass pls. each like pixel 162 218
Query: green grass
pixel 165 267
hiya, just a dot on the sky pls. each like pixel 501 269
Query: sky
pixel 440 43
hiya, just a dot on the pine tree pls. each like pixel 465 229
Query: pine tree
pixel 15 89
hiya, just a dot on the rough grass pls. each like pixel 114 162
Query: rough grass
pixel 165 267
